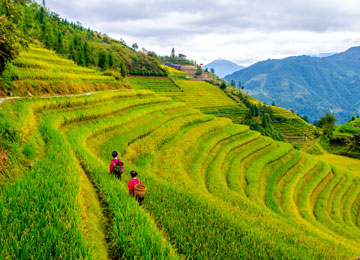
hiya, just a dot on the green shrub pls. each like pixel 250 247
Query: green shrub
pixel 10 74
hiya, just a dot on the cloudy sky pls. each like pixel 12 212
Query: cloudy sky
pixel 243 31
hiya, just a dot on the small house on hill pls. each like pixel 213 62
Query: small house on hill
pixel 182 55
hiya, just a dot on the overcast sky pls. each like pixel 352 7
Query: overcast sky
pixel 243 31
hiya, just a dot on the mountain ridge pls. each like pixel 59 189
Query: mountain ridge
pixel 307 85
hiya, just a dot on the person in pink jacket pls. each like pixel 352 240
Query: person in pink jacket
pixel 134 181
pixel 113 161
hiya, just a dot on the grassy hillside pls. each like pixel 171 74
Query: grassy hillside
pixel 295 130
pixel 350 164
pixel 311 86
pixel 157 84
pixel 215 189
pixel 202 95
pixel 291 126
pixel 31 23
pixel 38 71
pixel 345 140
pixel 212 100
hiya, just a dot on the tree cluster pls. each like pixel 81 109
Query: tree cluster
pixel 10 40
pixel 327 123
pixel 86 47
pixel 260 118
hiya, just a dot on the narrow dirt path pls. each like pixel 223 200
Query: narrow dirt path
pixel 8 98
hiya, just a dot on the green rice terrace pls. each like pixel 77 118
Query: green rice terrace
pixel 202 95
pixel 216 190
pixel 40 71
pixel 157 84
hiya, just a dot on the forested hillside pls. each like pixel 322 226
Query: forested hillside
pixel 308 85
pixel 345 140
pixel 26 23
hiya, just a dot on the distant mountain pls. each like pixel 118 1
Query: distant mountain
pixel 223 67
pixel 307 85
pixel 323 55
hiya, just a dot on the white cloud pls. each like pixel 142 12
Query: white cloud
pixel 244 31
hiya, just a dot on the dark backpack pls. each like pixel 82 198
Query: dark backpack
pixel 118 169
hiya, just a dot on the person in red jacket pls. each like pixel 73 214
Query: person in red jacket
pixel 113 161
pixel 134 181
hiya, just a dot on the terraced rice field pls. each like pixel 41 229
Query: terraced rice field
pixel 295 130
pixel 157 84
pixel 216 190
pixel 350 164
pixel 204 96
pixel 42 71
pixel 176 74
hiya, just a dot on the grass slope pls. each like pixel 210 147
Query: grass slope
pixel 215 189
pixel 39 71
pixel 157 84
pixel 210 99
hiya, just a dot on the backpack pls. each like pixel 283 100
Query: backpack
pixel 118 169
pixel 139 190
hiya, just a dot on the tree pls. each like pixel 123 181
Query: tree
pixel 327 123
pixel 273 103
pixel 232 83
pixel 87 54
pixel 48 36
pixel 103 62
pixel 59 43
pixel 173 52
pixel 266 121
pixel 122 68
pixel 305 118
pixel 79 58
pixel 212 70
pixel 111 59
pixel 9 36
pixel 256 110
pixel 135 46
pixel 198 71
pixel 223 85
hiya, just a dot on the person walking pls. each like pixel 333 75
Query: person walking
pixel 134 181
pixel 116 165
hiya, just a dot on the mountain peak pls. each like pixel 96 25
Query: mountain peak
pixel 223 67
